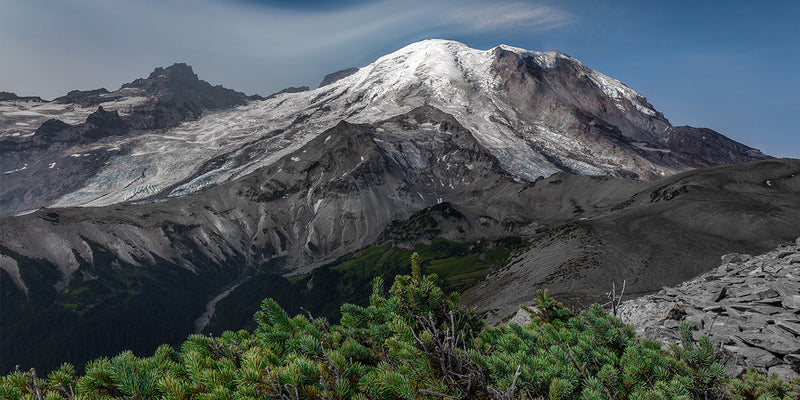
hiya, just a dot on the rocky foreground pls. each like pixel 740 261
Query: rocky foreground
pixel 749 307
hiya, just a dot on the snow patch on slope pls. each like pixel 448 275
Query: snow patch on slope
pixel 618 91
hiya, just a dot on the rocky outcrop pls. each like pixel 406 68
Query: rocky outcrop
pixel 330 78
pixel 703 147
pixel 98 125
pixel 178 95
pixel 86 98
pixel 290 89
pixel 8 96
pixel 749 307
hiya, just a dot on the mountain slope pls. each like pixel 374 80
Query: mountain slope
pixel 667 232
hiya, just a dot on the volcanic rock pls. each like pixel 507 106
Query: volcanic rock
pixel 290 89
pixel 331 78
pixel 8 96
pixel 784 372
pixel 753 318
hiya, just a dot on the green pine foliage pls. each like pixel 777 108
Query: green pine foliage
pixel 413 342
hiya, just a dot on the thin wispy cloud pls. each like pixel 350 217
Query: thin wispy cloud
pixel 508 16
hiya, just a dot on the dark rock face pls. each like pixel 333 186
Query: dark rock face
pixel 86 98
pixel 748 306
pixel 50 127
pixel 174 94
pixel 98 125
pixel 611 129
pixel 330 78
pixel 8 96
pixel 437 221
pixel 703 147
pixel 290 89
pixel 103 123
pixel 179 96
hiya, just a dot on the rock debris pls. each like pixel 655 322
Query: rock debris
pixel 749 307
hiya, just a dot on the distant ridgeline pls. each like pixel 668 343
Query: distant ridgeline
pixel 414 342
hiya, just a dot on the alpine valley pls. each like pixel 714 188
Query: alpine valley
pixel 135 217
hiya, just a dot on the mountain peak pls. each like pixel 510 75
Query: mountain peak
pixel 176 76
pixel 174 71
pixel 571 117
pixel 435 42
pixel 544 59
pixel 180 81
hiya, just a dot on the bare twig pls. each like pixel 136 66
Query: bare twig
pixel 435 394
pixel 614 300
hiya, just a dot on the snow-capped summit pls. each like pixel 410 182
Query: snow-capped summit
pixel 536 112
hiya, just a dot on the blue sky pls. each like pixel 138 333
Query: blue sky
pixel 727 65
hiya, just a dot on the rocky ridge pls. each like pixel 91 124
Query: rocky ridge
pixel 749 307
pixel 290 89
pixel 8 96
pixel 333 77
